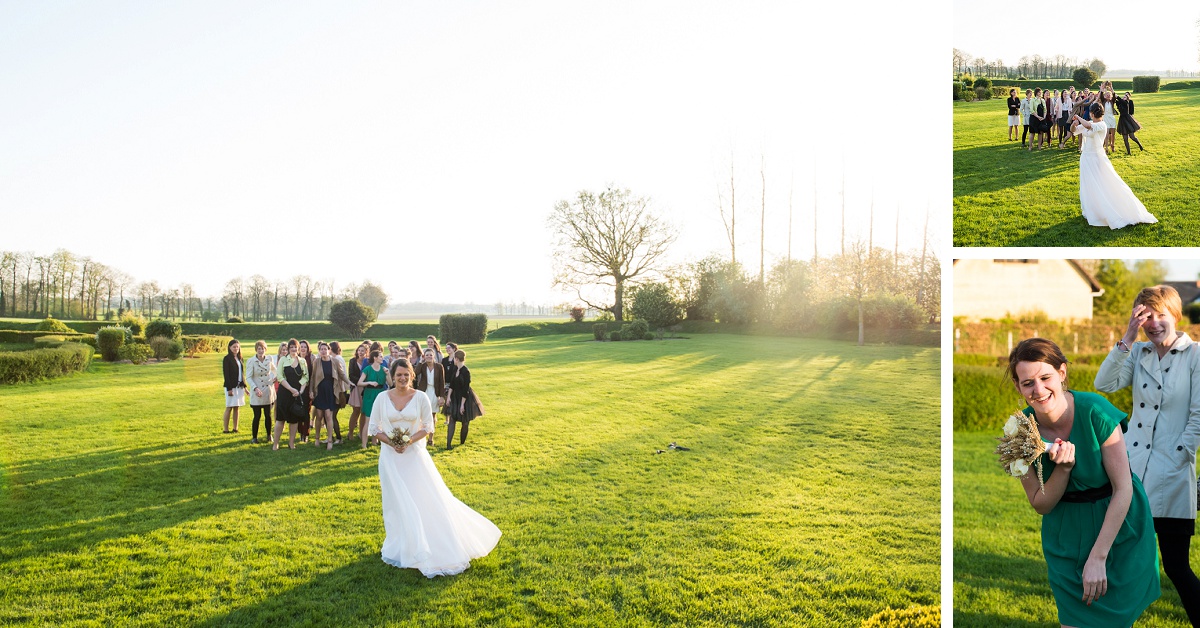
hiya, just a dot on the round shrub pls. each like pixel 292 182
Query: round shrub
pixel 967 94
pixel 166 348
pixel 577 314
pixel 138 354
pixel 649 336
pixel 351 316
pixel 135 323
pixel 234 319
pixel 983 82
pixel 968 81
pixel 983 93
pixel 159 328
pixel 109 341
pixel 614 335
pixel 634 330
pixel 654 303
pixel 55 325
pixel 600 330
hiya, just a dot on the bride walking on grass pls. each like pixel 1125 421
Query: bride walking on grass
pixel 1106 200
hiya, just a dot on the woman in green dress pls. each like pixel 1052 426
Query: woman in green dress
pixel 1097 530
pixel 372 382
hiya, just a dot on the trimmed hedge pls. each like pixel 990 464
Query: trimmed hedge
pixel 548 328
pixel 136 353
pixel 25 337
pixel 984 397
pixel 54 325
pixel 110 340
pixel 1180 85
pixel 159 328
pixel 463 328
pixel 205 344
pixel 164 347
pixel 599 331
pixel 1144 84
pixel 36 364
pixel 634 330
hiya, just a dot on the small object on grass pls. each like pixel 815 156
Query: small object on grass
pixel 660 451
pixel 677 447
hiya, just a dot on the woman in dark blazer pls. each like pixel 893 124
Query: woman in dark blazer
pixel 235 383
pixel 462 406
pixel 1127 126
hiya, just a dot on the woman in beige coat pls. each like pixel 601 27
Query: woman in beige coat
pixel 329 380
pixel 1164 426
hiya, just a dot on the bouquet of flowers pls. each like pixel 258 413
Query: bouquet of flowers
pixel 1021 446
pixel 400 437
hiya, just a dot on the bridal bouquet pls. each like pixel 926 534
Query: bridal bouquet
pixel 1021 446
pixel 400 437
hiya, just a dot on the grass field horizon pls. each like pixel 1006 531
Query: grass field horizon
pixel 1007 196
pixel 810 495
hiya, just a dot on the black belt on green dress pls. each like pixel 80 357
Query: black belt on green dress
pixel 1089 496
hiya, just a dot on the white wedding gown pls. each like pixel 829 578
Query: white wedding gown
pixel 1106 200
pixel 427 527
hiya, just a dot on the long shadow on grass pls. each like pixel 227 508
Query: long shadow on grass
pixel 122 495
pixel 1000 167
pixel 1077 232
pixel 364 592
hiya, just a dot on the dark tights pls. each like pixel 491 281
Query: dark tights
pixel 462 437
pixel 258 411
pixel 1024 132
pixel 1175 548
pixel 1126 137
pixel 337 429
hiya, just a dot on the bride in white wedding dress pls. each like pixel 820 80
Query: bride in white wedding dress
pixel 427 527
pixel 1106 200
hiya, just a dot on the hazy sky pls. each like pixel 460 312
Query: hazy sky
pixel 1148 35
pixel 195 142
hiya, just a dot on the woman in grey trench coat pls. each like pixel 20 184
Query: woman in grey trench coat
pixel 1164 425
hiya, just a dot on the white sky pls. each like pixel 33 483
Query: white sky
pixel 1148 35
pixel 192 142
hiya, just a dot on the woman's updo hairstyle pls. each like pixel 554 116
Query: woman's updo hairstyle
pixel 1096 110
pixel 1162 299
pixel 1035 350
pixel 402 364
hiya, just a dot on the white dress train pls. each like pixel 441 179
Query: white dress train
pixel 1105 198
pixel 427 527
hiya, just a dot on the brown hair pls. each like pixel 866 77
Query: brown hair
pixel 459 355
pixel 335 347
pixel 1035 350
pixel 260 343
pixel 401 364
pixel 1162 299
pixel 375 353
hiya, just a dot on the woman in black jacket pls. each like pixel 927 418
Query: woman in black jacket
pixel 235 384
pixel 462 406
pixel 1126 125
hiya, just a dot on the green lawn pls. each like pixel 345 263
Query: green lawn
pixel 810 496
pixel 1007 196
pixel 999 572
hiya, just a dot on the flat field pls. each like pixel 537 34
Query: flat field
pixel 999 573
pixel 1007 196
pixel 810 495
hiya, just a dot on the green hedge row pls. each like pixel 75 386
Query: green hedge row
pixel 36 364
pixel 984 396
pixel 313 330
pixel 467 329
pixel 209 344
pixel 1179 85
pixel 548 328
pixel 23 336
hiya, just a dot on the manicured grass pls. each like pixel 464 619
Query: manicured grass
pixel 1007 196
pixel 810 495
pixel 999 572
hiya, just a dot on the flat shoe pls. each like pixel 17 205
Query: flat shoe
pixel 225 432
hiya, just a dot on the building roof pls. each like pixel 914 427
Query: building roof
pixel 1097 289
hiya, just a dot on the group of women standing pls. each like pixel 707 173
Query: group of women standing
pixel 307 391
pixel 426 527
pixel 1117 482
pixel 1052 113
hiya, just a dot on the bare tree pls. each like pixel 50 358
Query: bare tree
pixel 762 223
pixel 610 239
pixel 730 222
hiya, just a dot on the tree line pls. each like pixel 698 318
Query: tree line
pixel 65 285
pixel 1027 67
pixel 611 251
